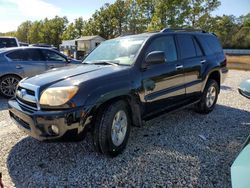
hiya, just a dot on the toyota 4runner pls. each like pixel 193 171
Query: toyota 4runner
pixel 123 82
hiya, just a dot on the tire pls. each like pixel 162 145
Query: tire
pixel 8 85
pixel 105 130
pixel 207 104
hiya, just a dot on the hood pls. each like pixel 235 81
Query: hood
pixel 73 73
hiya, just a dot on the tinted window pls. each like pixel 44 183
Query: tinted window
pixel 7 42
pixel 186 45
pixel 52 56
pixel 165 44
pixel 197 48
pixel 34 55
pixel 210 44
pixel 18 55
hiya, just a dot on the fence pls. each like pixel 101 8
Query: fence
pixel 236 52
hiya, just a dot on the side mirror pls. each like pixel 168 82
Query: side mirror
pixel 155 57
pixel 69 60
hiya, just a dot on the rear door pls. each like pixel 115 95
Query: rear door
pixel 163 84
pixel 54 59
pixel 30 61
pixel 193 60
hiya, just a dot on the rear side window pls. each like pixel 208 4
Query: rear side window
pixel 18 55
pixel 34 55
pixel 186 45
pixel 25 55
pixel 8 42
pixel 197 48
pixel 210 44
pixel 165 44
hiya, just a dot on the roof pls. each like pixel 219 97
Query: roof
pixel 89 37
pixel 23 47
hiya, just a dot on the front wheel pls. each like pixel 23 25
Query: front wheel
pixel 209 97
pixel 112 128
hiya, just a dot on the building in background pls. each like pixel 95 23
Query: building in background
pixel 78 48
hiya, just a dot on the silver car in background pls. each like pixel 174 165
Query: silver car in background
pixel 20 62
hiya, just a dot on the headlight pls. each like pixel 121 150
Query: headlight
pixel 57 96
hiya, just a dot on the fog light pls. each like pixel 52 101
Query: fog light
pixel 54 129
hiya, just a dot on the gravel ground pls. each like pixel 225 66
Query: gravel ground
pixel 179 149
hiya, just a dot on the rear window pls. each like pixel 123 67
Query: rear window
pixel 186 44
pixel 8 42
pixel 210 44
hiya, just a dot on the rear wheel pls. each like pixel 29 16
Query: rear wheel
pixel 8 85
pixel 209 97
pixel 112 128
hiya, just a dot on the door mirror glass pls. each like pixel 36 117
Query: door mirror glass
pixel 155 57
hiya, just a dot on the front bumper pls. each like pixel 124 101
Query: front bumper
pixel 70 122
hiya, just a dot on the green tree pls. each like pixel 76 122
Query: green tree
pixel 34 34
pixel 23 31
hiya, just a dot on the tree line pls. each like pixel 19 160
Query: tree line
pixel 138 16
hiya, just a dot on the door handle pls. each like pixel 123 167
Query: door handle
pixel 203 61
pixel 19 66
pixel 179 67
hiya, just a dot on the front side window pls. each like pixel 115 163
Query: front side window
pixel 165 44
pixel 52 56
pixel 120 50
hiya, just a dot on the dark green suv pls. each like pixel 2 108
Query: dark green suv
pixel 123 82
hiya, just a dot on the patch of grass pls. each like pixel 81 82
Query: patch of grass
pixel 241 62
pixel 245 59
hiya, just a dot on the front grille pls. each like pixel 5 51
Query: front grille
pixel 26 96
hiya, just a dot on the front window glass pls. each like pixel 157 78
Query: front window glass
pixel 121 51
pixel 52 56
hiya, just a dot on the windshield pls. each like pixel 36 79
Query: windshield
pixel 7 42
pixel 121 51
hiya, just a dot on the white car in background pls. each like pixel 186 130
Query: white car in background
pixel 8 42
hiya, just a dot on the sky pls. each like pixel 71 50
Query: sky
pixel 14 12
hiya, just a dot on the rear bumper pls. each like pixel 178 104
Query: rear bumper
pixel 37 124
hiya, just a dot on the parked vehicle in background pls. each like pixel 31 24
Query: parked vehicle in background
pixel 240 168
pixel 44 45
pixel 23 44
pixel 121 83
pixel 8 42
pixel 20 62
pixel 244 88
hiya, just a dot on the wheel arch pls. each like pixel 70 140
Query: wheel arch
pixel 133 107
pixel 10 74
pixel 215 75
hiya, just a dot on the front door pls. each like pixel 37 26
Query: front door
pixel 163 84
pixel 53 59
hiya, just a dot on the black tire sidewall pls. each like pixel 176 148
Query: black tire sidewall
pixel 103 130
pixel 114 150
pixel 204 97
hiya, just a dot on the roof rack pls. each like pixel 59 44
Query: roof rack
pixel 182 30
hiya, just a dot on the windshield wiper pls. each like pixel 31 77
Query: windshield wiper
pixel 103 62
